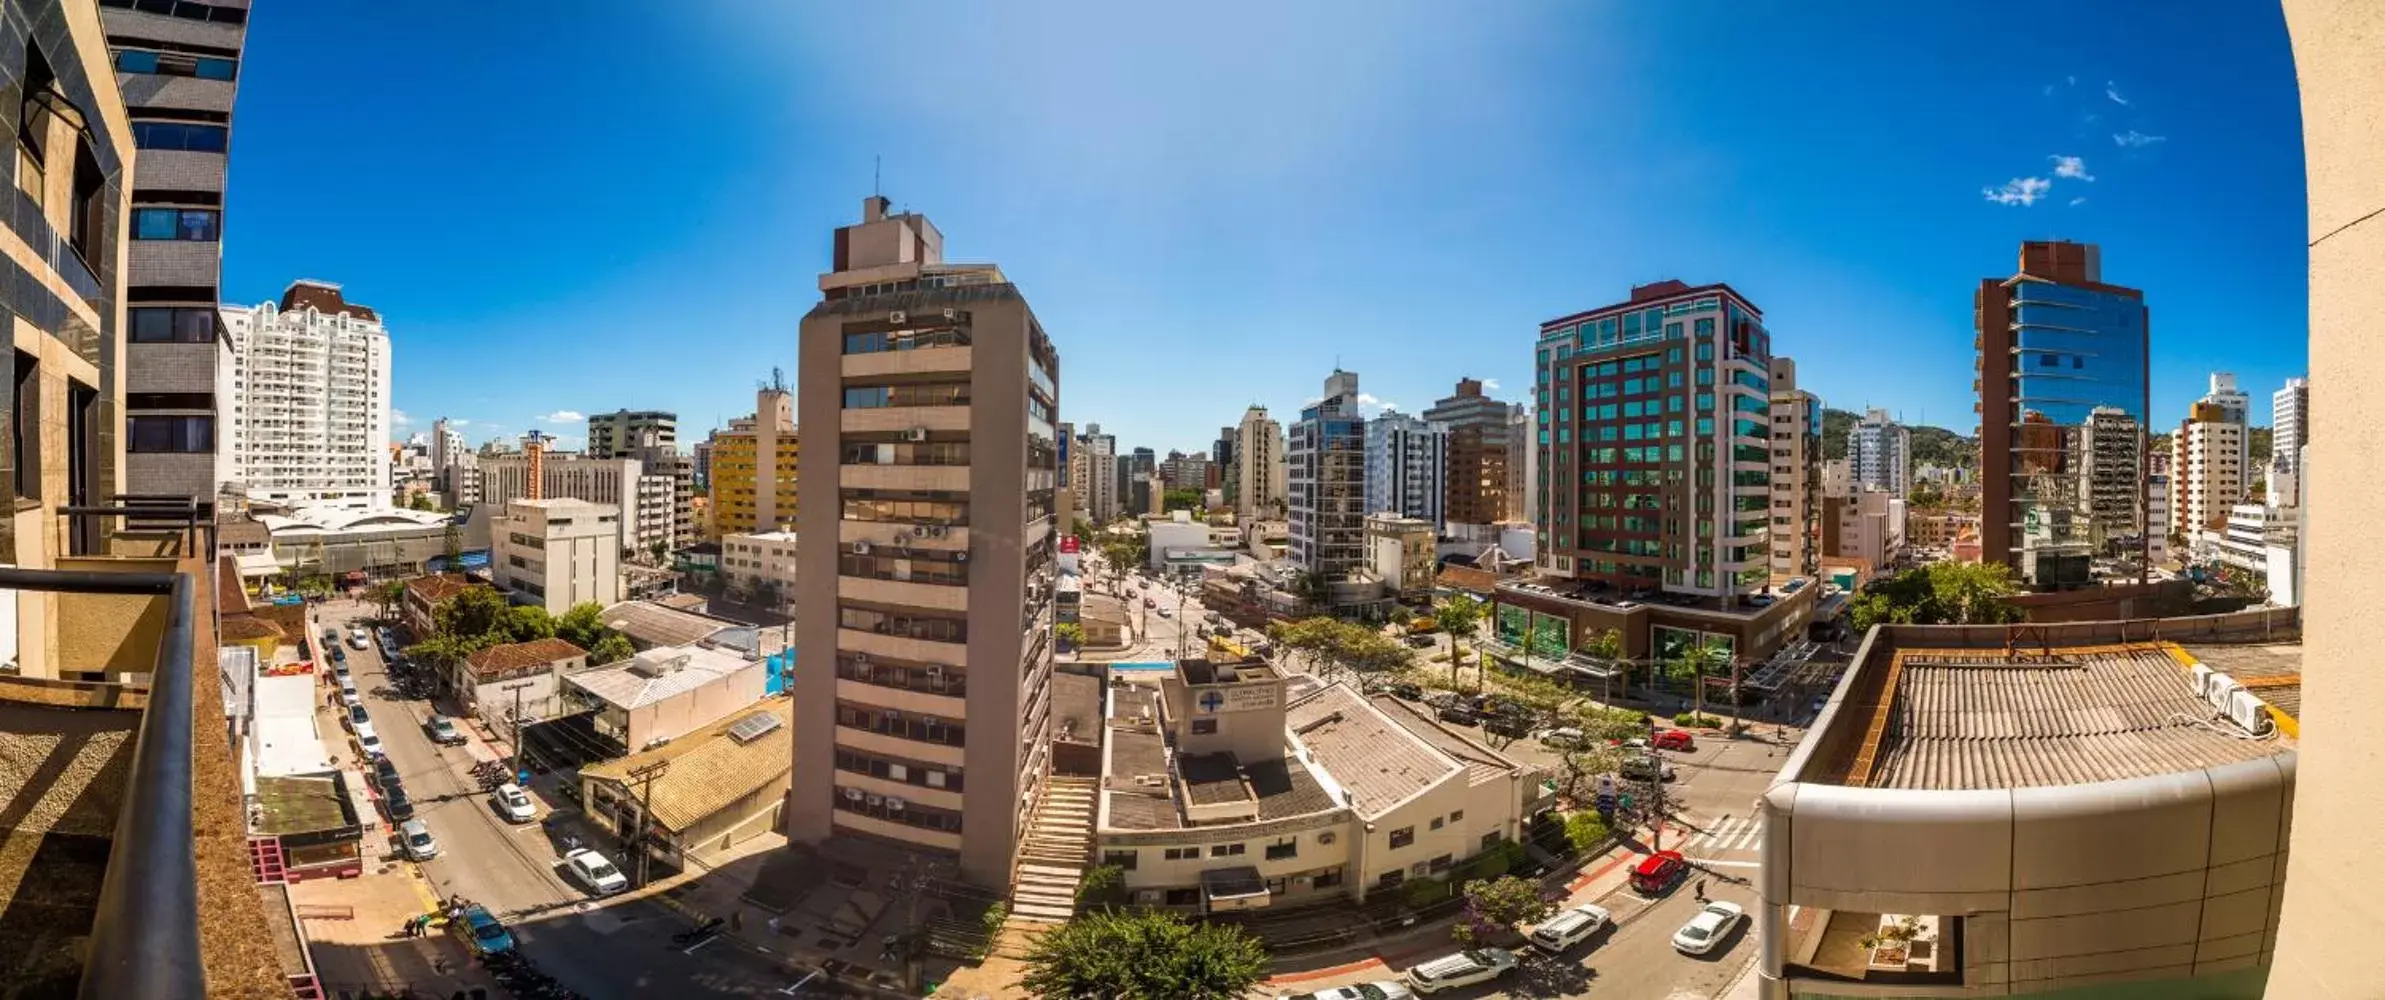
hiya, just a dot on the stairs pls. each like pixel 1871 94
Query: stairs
pixel 265 860
pixel 1053 856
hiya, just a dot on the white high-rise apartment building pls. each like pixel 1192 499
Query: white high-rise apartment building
pixel 2206 468
pixel 1407 467
pixel 1100 483
pixel 1796 475
pixel 309 391
pixel 647 500
pixel 1523 465
pixel 1880 454
pixel 2234 405
pixel 2289 423
pixel 1259 468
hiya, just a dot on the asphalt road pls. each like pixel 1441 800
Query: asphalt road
pixel 602 948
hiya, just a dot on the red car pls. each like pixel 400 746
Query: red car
pixel 1149 603
pixel 1674 739
pixel 1659 872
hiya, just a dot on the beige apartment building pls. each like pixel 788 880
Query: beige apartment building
pixel 759 567
pixel 558 552
pixel 924 593
pixel 2207 469
pixel 1260 473
pixel 1796 475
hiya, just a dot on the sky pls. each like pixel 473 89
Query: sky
pixel 1215 205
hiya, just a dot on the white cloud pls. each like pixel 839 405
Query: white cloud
pixel 564 417
pixel 2018 191
pixel 2049 90
pixel 2080 200
pixel 398 418
pixel 2112 90
pixel 1490 385
pixel 2133 139
pixel 1366 399
pixel 458 422
pixel 2073 167
pixel 2071 80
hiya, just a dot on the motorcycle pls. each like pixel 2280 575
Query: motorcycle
pixel 698 933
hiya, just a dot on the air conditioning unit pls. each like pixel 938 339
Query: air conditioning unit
pixel 894 804
pixel 861 659
pixel 898 316
pixel 933 531
pixel 874 799
pixel 1325 837
pixel 950 313
pixel 853 795
pixel 915 434
pixel 961 556
pixel 935 674
pixel 902 538
pixel 861 548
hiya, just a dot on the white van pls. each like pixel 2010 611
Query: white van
pixel 1570 927
pixel 416 836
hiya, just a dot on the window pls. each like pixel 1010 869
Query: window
pixel 1442 863
pixel 1402 837
pixel 1283 849
pixel 1204 727
pixel 1490 840
pixel 1456 815
pixel 182 137
pixel 169 401
pixel 153 435
pixel 1182 854
pixel 25 431
pixel 176 64
pixel 1122 859
pixel 1327 880
pixel 170 325
pixel 175 223
pixel 1437 822
pixel 188 10
pixel 1391 879
pixel 1183 897
pixel 1224 850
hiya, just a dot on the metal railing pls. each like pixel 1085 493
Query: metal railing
pixel 145 933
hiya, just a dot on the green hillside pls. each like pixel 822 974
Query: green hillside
pixel 1931 445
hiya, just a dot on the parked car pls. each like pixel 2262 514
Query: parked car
pixel 1466 968
pixel 1458 712
pixel 593 871
pixel 444 732
pixel 339 671
pixel 1514 727
pixel 368 741
pixel 356 714
pixel 385 772
pixel 1647 769
pixel 1706 930
pixel 1403 689
pixel 1420 640
pixel 358 639
pixel 1149 603
pixel 415 836
pixel 1388 989
pixel 1562 737
pixel 395 799
pixel 1162 612
pixel 1676 739
pixel 481 931
pixel 1571 927
pixel 1659 872
pixel 514 804
pixel 331 638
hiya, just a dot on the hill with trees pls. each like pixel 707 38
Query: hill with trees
pixel 1931 445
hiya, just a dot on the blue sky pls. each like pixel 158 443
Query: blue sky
pixel 1213 205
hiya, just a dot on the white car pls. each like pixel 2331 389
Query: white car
pixel 1562 737
pixel 595 872
pixel 367 740
pixel 357 638
pixel 1708 928
pixel 1570 927
pixel 416 836
pixel 514 804
pixel 1466 968
pixel 1389 989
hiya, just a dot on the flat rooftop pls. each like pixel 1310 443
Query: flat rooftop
pixel 2273 670
pixel 1378 761
pixel 1282 788
pixel 1600 594
pixel 1978 718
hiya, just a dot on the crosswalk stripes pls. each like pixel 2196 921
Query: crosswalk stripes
pixel 1730 833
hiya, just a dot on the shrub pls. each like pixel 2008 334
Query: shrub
pixel 1688 720
pixel 1585 831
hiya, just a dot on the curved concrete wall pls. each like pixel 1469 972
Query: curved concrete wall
pixel 2328 947
pixel 2161 878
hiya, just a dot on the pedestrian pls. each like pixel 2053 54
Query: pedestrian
pixel 1701 890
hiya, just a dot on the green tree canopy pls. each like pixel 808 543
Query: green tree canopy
pixel 613 648
pixel 1180 500
pixel 474 614
pixel 1144 955
pixel 1495 905
pixel 525 622
pixel 1944 593
pixel 582 625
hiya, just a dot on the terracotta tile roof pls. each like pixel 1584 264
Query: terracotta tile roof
pixel 1480 581
pixel 433 589
pixel 709 770
pixel 499 661
pixel 229 598
pixel 323 298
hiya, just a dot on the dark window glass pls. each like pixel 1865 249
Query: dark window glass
pixel 216 69
pixel 174 224
pixel 180 136
pixel 171 435
pixel 134 61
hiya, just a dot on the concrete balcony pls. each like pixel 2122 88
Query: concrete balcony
pixel 942 706
pixel 903 418
pixel 895 746
pixel 915 362
pixel 903 592
pixel 901 647
pixel 859 823
pixel 941 798
pixel 882 533
pixel 951 478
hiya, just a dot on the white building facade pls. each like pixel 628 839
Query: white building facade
pixel 558 552
pixel 2207 468
pixel 2289 423
pixel 1880 454
pixel 1100 482
pixel 761 565
pixel 649 500
pixel 309 390
pixel 1407 467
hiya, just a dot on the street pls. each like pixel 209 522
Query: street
pixel 618 947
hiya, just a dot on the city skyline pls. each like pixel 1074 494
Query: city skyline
pixel 1411 186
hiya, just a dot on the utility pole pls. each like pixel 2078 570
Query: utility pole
pixel 633 837
pixel 517 688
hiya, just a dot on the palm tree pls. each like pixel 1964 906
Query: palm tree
pixel 1455 615
pixel 1708 654
pixel 1608 646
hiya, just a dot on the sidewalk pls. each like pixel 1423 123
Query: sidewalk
pixel 1598 877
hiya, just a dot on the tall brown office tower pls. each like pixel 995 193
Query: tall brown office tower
pixel 2059 350
pixel 924 594
pixel 1474 493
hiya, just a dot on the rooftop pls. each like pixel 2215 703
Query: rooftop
pixel 659 674
pixel 1378 761
pixel 653 623
pixel 302 803
pixel 709 769
pixel 434 589
pixel 513 658
pixel 1598 593
pixel 2273 670
pixel 1482 763
pixel 1979 718
pixel 1282 788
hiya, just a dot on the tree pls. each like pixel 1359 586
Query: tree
pixel 420 501
pixel 1495 905
pixel 451 544
pixel 1143 955
pixel 1945 593
pixel 1369 654
pixel 613 648
pixel 1082 530
pixel 1180 500
pixel 1607 646
pixel 389 594
pixel 659 549
pixel 525 622
pixel 1710 654
pixel 1584 831
pixel 582 625
pixel 1102 888
pixel 1459 615
pixel 1070 634
pixel 475 616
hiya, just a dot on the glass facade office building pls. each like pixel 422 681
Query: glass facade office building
pixel 2063 403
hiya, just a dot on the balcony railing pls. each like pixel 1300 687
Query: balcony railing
pixel 145 932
